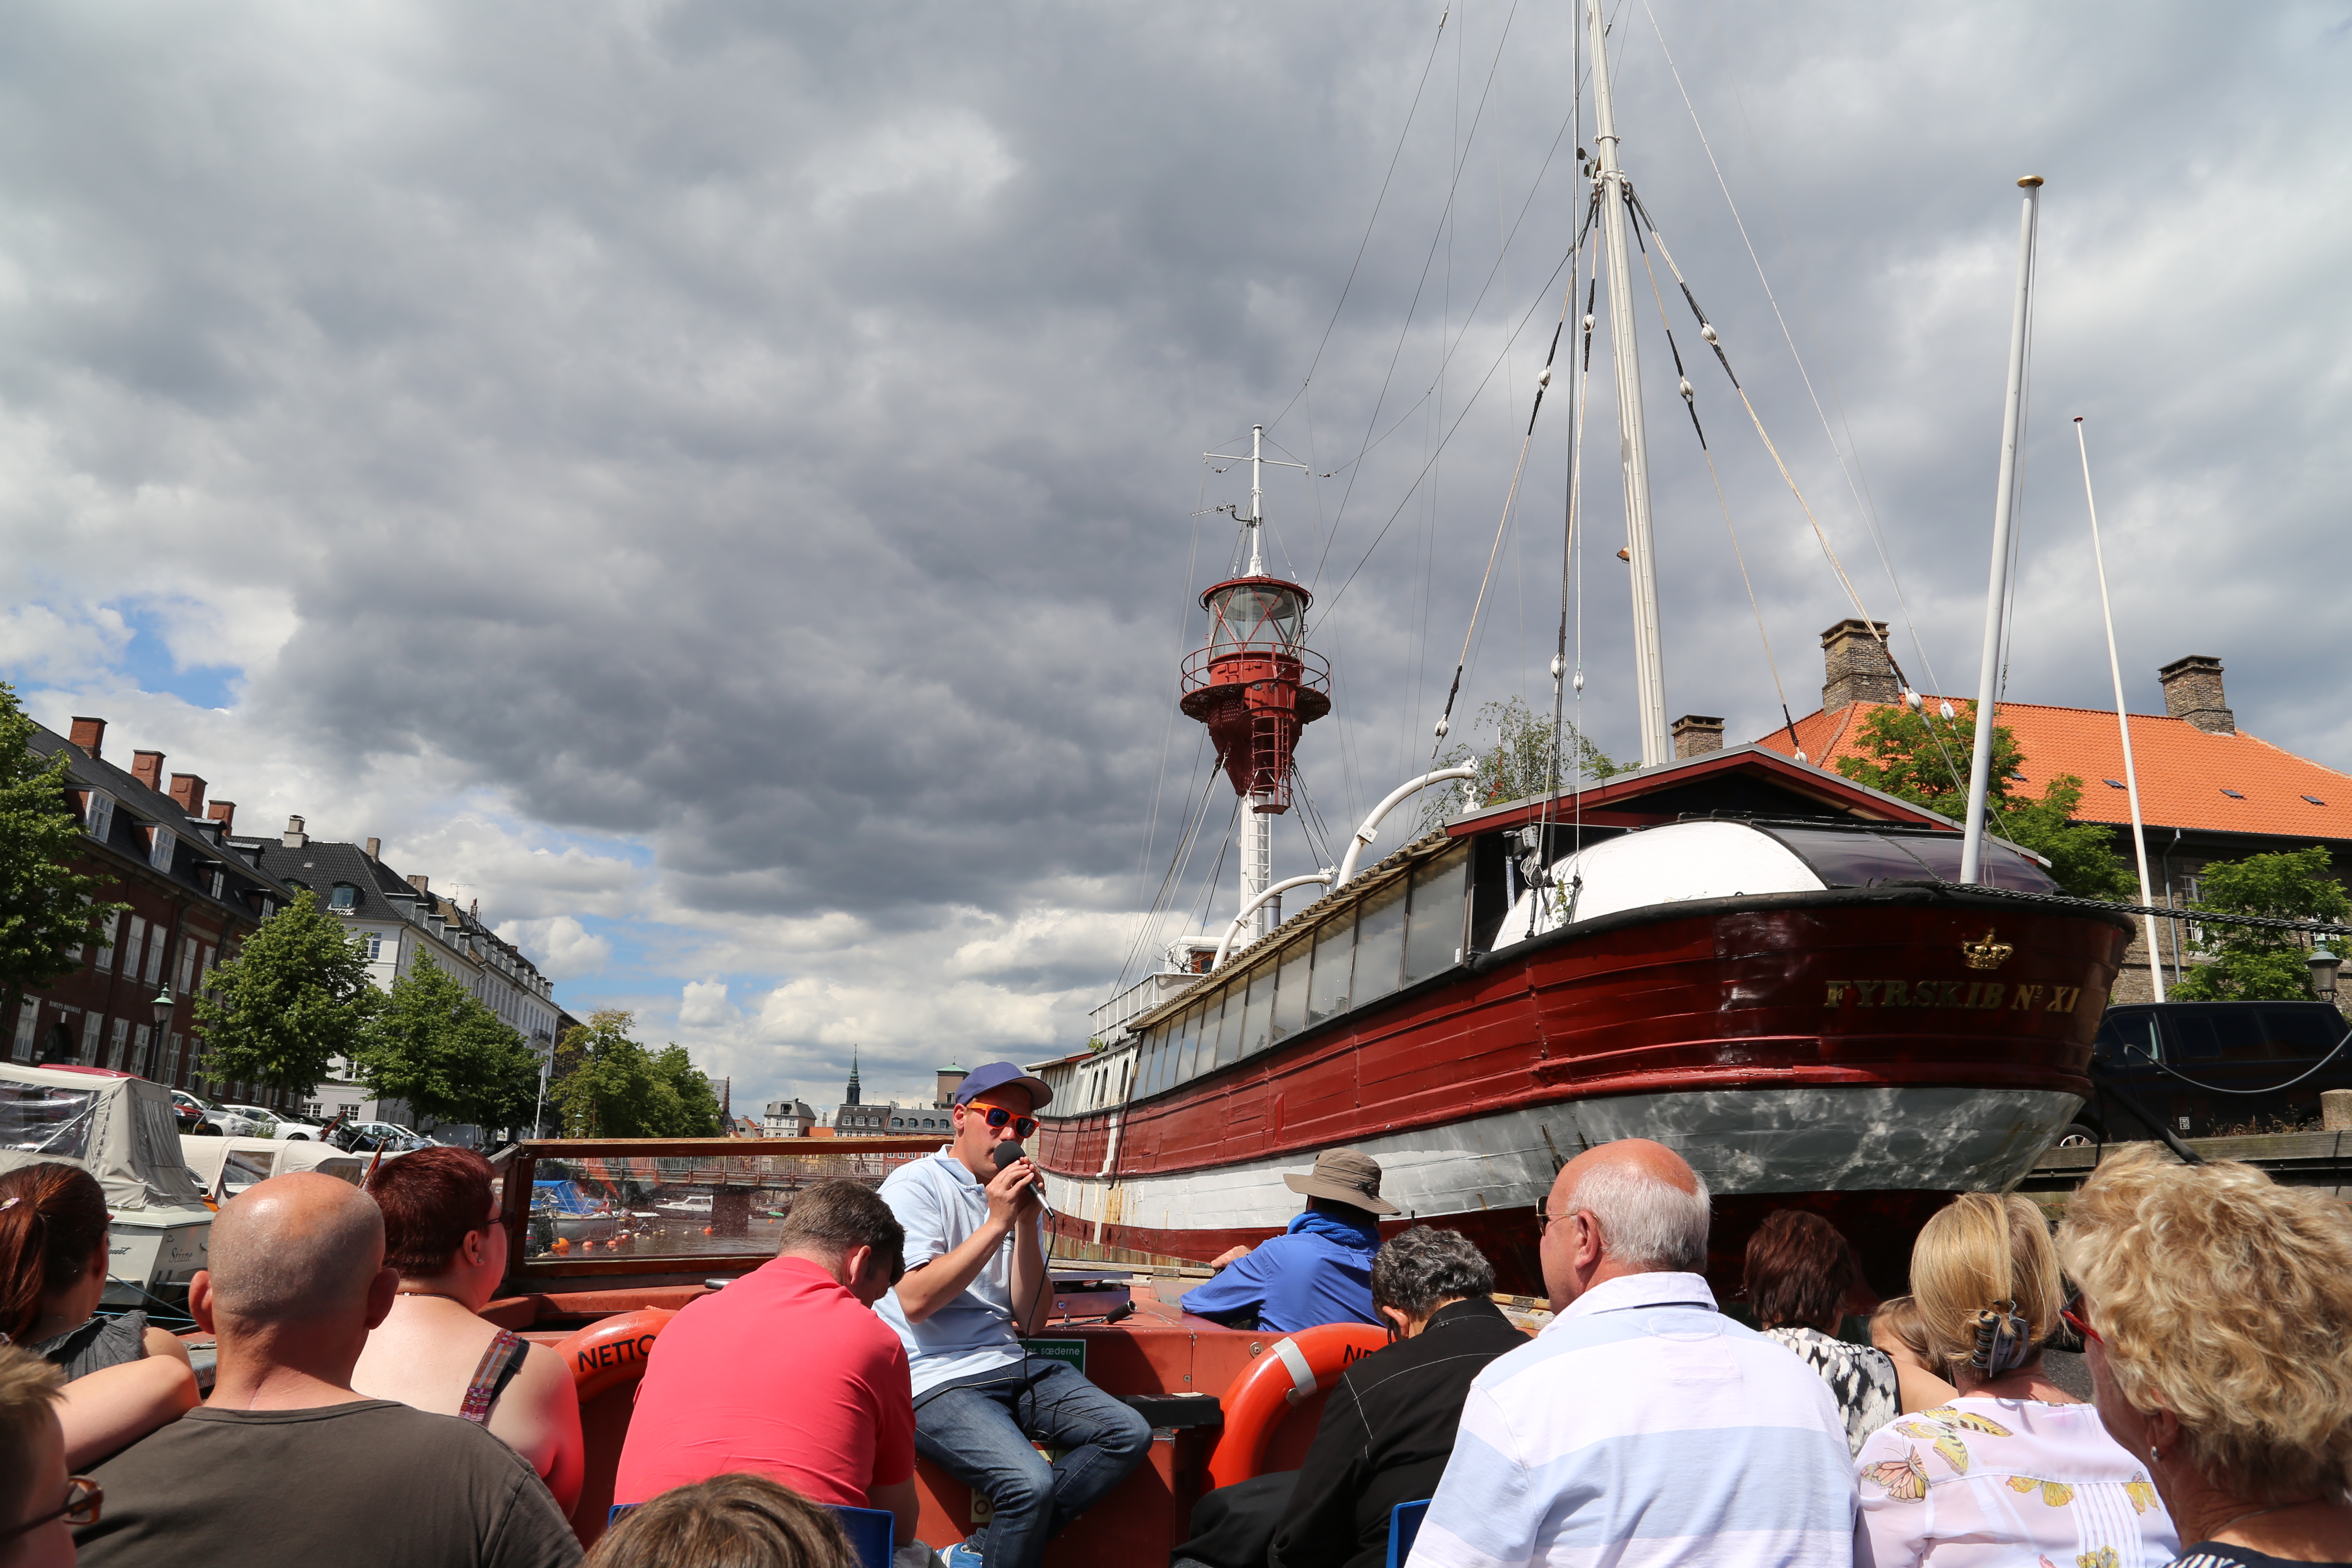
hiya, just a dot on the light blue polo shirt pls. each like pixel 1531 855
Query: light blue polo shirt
pixel 941 1204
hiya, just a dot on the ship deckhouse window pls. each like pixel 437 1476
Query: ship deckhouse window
pixel 1290 996
pixel 1259 1010
pixel 1163 1043
pixel 1434 939
pixel 1327 993
pixel 1379 944
pixel 1200 1050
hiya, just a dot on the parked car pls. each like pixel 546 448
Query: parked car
pixel 2161 1056
pixel 278 1124
pixel 223 1120
pixel 389 1136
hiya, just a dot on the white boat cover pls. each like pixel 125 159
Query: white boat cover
pixel 120 1129
pixel 244 1160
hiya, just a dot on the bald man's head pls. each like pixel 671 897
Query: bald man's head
pixel 295 1246
pixel 1651 1206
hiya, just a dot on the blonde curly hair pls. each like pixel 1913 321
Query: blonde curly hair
pixel 2227 1299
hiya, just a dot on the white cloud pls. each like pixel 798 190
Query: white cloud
pixel 562 947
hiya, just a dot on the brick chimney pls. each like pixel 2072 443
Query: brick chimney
pixel 1855 665
pixel 1696 734
pixel 147 767
pixel 188 789
pixel 293 838
pixel 89 734
pixel 2192 691
pixel 421 882
pixel 375 848
pixel 225 812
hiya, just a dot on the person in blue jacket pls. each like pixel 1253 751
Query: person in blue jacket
pixel 1318 1271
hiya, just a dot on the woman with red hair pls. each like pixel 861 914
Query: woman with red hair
pixel 123 1378
pixel 1800 1271
pixel 435 1352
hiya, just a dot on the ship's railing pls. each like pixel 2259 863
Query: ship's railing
pixel 1313 673
pixel 671 1205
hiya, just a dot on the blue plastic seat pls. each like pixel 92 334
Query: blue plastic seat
pixel 872 1531
pixel 1404 1523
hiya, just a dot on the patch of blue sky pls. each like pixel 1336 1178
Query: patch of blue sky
pixel 148 660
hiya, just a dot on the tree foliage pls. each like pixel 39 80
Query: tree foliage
pixel 609 1086
pixel 48 912
pixel 2253 964
pixel 1519 762
pixel 296 995
pixel 1926 762
pixel 436 1045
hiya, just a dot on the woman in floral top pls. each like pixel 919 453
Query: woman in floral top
pixel 2015 1470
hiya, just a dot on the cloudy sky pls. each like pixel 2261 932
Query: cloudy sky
pixel 721 483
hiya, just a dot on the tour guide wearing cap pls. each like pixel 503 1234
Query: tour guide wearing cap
pixel 976 1282
pixel 1321 1269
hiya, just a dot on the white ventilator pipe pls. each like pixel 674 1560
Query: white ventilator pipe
pixel 1367 832
pixel 2122 720
pixel 1242 915
pixel 2004 503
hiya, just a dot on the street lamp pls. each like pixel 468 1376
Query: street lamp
pixel 163 1005
pixel 2324 965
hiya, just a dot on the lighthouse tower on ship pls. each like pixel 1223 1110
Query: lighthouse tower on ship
pixel 1255 685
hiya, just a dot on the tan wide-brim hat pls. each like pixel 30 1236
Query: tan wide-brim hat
pixel 1345 1176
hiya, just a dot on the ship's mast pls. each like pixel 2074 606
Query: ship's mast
pixel 1257 827
pixel 1649 661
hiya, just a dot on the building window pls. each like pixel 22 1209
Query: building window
pixel 374 941
pixel 345 898
pixel 156 958
pixel 133 945
pixel 91 1042
pixel 98 815
pixel 184 971
pixel 218 883
pixel 159 849
pixel 896 1122
pixel 28 1023
pixel 118 1044
pixel 140 1035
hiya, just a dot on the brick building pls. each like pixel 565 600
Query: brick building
pixel 158 845
pixel 2208 790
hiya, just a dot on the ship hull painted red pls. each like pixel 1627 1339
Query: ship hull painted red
pixel 1864 1051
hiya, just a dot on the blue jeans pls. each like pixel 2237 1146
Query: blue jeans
pixel 979 1429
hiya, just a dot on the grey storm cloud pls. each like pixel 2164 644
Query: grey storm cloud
pixel 772 431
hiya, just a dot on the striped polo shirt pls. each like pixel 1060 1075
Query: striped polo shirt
pixel 1643 1427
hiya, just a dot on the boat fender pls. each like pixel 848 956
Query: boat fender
pixel 1296 1368
pixel 612 1350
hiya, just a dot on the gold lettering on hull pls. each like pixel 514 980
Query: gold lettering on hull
pixel 1962 995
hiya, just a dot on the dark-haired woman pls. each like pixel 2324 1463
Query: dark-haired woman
pixel 124 1378
pixel 435 1350
pixel 1799 1272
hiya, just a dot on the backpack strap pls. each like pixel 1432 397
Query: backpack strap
pixel 499 1366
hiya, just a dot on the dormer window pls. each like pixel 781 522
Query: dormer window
pixel 98 815
pixel 158 848
pixel 344 897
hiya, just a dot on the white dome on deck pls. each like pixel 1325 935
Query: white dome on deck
pixel 1665 865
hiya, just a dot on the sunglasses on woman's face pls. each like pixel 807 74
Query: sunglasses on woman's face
pixel 83 1497
pixel 998 1117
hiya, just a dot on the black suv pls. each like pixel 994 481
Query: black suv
pixel 2256 1046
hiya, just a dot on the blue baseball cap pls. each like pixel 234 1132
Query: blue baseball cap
pixel 996 1075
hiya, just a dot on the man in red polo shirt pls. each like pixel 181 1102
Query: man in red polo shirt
pixel 787 1372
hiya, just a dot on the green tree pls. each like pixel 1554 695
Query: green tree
pixel 296 995
pixel 2253 964
pixel 1519 762
pixel 1926 762
pixel 434 1044
pixel 612 1087
pixel 48 912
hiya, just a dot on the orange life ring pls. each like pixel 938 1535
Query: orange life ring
pixel 612 1350
pixel 1292 1369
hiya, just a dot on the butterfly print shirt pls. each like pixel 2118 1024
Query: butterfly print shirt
pixel 1977 1482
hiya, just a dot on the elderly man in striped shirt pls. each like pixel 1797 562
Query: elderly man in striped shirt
pixel 1642 1427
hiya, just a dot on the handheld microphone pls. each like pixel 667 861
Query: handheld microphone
pixel 1005 1153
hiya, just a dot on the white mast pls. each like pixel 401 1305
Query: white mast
pixel 1649 662
pixel 1257 499
pixel 2123 720
pixel 1257 827
pixel 1997 594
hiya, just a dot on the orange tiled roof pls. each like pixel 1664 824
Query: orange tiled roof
pixel 2184 772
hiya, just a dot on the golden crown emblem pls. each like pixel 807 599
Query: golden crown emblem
pixel 1986 952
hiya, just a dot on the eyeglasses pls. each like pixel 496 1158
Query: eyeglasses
pixel 2072 1314
pixel 1022 1125
pixel 83 1497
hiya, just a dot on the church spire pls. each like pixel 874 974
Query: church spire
pixel 853 1077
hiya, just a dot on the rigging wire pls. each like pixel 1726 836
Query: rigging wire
pixel 1150 923
pixel 1436 39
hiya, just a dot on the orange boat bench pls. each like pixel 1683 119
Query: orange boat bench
pixel 1225 1404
